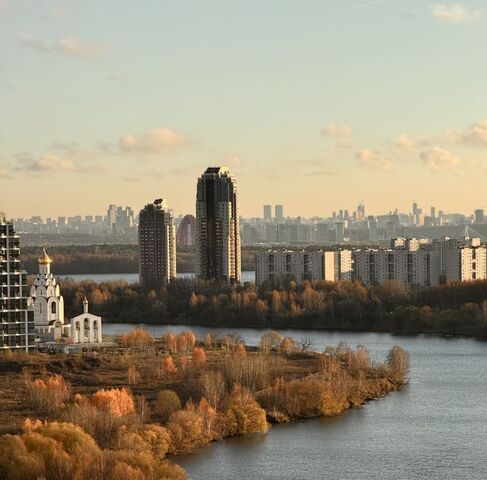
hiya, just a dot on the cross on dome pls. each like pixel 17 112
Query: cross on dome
pixel 44 259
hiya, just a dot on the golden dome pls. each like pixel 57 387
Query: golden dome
pixel 44 259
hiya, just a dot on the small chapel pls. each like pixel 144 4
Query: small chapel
pixel 48 305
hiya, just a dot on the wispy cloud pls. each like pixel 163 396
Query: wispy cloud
pixel 80 48
pixel 51 163
pixel 475 135
pixel 341 133
pixel 46 163
pixel 322 172
pixel 337 131
pixel 455 13
pixel 71 46
pixel 29 41
pixel 364 5
pixel 439 160
pixel 405 142
pixel 5 173
pixel 374 160
pixel 155 141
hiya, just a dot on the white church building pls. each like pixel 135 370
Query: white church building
pixel 48 305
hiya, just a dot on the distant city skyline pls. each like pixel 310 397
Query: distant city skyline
pixel 426 210
pixel 306 104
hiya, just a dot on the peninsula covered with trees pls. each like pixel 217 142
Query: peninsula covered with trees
pixel 127 411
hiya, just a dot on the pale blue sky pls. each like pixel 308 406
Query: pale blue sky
pixel 305 101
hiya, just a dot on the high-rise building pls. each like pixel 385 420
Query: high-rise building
pixel 340 232
pixel 217 224
pixel 479 216
pixel 16 319
pixel 112 217
pixel 360 212
pixel 187 231
pixel 279 212
pixel 267 213
pixel 157 245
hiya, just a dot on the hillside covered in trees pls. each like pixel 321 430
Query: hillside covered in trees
pixel 456 308
pixel 124 258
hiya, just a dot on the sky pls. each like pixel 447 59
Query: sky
pixel 317 105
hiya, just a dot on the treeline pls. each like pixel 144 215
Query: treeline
pixel 456 308
pixel 225 389
pixel 93 259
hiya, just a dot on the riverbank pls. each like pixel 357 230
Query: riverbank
pixel 226 389
pixel 291 327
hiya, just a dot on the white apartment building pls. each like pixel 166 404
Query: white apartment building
pixel 272 266
pixel 337 265
pixel 461 260
pixel 466 263
pixel 412 267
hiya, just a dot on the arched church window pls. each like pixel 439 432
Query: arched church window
pixel 77 326
pixel 87 324
pixel 53 308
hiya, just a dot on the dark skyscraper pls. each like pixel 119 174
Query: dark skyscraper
pixel 218 235
pixel 157 245
pixel 16 319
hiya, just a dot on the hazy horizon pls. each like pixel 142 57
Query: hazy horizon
pixel 315 107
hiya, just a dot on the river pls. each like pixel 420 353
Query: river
pixel 134 277
pixel 435 428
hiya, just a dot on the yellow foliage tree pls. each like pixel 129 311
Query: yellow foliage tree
pixel 117 402
pixel 244 414
pixel 137 338
pixel 199 356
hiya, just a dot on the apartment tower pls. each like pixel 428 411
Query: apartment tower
pixel 217 226
pixel 16 319
pixel 157 245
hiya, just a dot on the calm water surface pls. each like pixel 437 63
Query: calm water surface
pixel 134 277
pixel 435 428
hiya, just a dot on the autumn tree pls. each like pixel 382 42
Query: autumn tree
pixel 168 366
pixel 116 401
pixel 269 341
pixel 212 386
pixel 398 364
pixel 138 337
pixel 190 339
pixel 182 343
pixel 199 357
pixel 166 404
pixel 169 341
pixel 47 393
pixel 244 414
pixel 187 430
